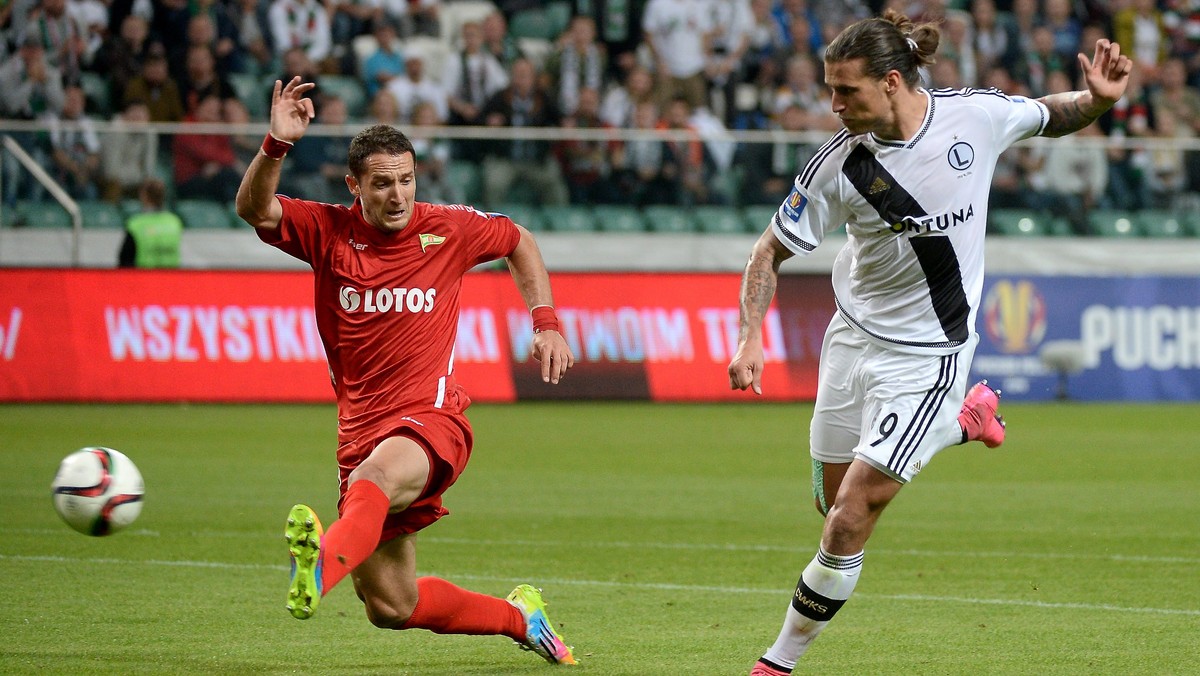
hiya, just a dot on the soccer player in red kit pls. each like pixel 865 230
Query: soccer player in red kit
pixel 388 271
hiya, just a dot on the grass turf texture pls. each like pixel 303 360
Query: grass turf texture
pixel 667 539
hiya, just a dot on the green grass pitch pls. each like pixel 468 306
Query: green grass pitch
pixel 667 538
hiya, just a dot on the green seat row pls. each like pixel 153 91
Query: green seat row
pixel 1153 223
pixel 715 220
pixel 195 214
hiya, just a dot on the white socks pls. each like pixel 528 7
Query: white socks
pixel 823 587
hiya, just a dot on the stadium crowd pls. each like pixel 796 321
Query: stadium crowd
pixel 696 66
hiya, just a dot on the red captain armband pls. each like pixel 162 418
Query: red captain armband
pixel 544 319
pixel 274 148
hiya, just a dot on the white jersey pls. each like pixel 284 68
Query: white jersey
pixel 911 275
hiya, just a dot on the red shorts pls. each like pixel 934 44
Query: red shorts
pixel 447 440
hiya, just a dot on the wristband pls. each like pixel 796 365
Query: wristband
pixel 544 319
pixel 274 148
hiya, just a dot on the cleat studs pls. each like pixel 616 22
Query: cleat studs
pixel 308 523
pixel 291 521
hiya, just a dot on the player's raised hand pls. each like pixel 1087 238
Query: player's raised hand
pixel 1107 73
pixel 551 349
pixel 290 110
pixel 745 371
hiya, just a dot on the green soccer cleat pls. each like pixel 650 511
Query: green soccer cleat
pixel 540 636
pixel 303 533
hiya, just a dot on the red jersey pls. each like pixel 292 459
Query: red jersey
pixel 387 303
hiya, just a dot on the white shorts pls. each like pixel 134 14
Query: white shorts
pixel 892 409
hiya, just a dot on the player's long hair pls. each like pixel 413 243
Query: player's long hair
pixel 882 43
pixel 378 138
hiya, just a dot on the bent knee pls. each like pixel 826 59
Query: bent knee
pixel 387 615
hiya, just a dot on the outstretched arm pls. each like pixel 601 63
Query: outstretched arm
pixel 529 272
pixel 758 288
pixel 290 115
pixel 1106 74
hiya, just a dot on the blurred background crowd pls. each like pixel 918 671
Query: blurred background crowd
pixel 687 74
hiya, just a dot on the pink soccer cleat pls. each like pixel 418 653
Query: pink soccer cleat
pixel 978 416
pixel 761 668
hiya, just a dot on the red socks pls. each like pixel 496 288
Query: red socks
pixel 444 608
pixel 354 536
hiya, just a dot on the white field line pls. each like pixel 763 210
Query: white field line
pixel 699 546
pixel 656 586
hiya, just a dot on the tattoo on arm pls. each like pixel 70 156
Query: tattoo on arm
pixel 1068 114
pixel 758 288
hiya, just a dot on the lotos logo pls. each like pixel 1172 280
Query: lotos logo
pixel 1014 316
pixel 349 298
pixel 399 299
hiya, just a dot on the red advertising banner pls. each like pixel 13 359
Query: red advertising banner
pixel 107 335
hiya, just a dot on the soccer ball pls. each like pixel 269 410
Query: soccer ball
pixel 98 491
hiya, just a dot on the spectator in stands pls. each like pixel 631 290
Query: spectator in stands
pixel 385 63
pixel 169 28
pixel 787 12
pixel 770 168
pixel 432 157
pixel 415 17
pixel 202 80
pixel 1069 180
pixel 1176 98
pixel 414 87
pixel 684 160
pixel 1132 117
pixel 316 166
pixel 296 63
pixel 301 24
pixel 32 86
pixel 1143 28
pixel 1025 17
pixel 205 164
pixel 1166 170
pixel 995 37
pixel 957 49
pixel 92 15
pixel 801 88
pixel 152 236
pixel 385 109
pixel 212 26
pixel 1041 61
pixel 348 20
pixel 577 61
pixel 128 153
pixel 75 147
pixel 768 41
pixel 1059 17
pixel 471 76
pixel 617 108
pixel 62 36
pixel 255 42
pixel 728 60
pixel 498 41
pixel 522 162
pixel 245 145
pixel 639 164
pixel 676 35
pixel 585 162
pixel 618 27
pixel 121 55
pixel 157 89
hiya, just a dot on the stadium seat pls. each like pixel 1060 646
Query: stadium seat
pixel 1018 223
pixel 42 214
pixel 612 218
pixel 758 216
pixel 100 214
pixel 452 15
pixel 349 90
pixel 236 221
pixel 528 215
pixel 669 219
pixel 719 220
pixel 558 13
pixel 467 176
pixel 202 214
pixel 1161 223
pixel 532 23
pixel 251 90
pixel 95 89
pixel 570 219
pixel 1113 223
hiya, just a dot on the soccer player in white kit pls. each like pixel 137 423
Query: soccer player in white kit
pixel 909 177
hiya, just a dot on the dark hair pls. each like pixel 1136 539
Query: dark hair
pixel 378 138
pixel 883 44
pixel 154 192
